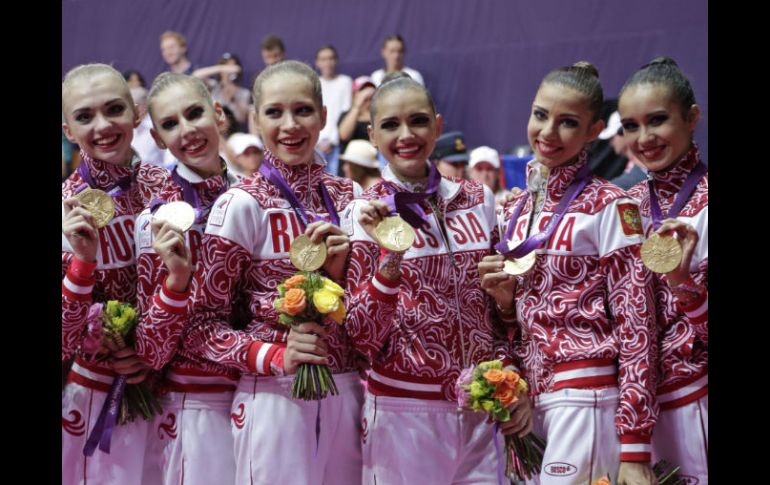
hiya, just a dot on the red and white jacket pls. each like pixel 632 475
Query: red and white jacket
pixel 682 330
pixel 585 311
pixel 245 257
pixel 420 331
pixel 165 313
pixel 113 276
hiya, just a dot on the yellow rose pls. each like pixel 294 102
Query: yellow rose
pixel 338 315
pixel 325 301
pixel 333 287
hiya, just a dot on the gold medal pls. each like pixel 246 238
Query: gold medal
pixel 394 234
pixel 179 214
pixel 305 255
pixel 661 253
pixel 520 266
pixel 98 204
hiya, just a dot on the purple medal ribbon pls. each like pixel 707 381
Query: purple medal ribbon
pixel 108 417
pixel 121 187
pixel 407 204
pixel 532 242
pixel 690 183
pixel 274 177
pixel 190 195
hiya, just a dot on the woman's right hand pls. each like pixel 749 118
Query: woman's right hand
pixel 169 243
pixel 496 282
pixel 305 345
pixel 79 227
pixel 371 215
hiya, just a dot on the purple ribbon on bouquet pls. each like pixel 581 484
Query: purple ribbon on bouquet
pixel 407 204
pixel 190 195
pixel 121 187
pixel 582 178
pixel 497 453
pixel 681 198
pixel 274 177
pixel 108 418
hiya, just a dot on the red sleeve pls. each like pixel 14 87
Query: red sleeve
pixel 209 336
pixel 77 287
pixel 373 300
pixel 631 302
pixel 163 312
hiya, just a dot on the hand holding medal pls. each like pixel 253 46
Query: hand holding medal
pixel 81 230
pixel 390 232
pixel 169 243
pixel 673 245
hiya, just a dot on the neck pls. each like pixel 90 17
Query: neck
pixel 213 168
pixel 330 76
pixel 421 179
pixel 180 66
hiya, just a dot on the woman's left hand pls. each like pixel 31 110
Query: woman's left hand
pixel 688 238
pixel 337 246
pixel 632 473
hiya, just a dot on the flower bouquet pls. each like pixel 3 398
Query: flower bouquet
pixel 113 323
pixel 310 297
pixel 491 389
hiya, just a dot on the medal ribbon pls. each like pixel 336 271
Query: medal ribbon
pixel 582 178
pixel 121 187
pixel 108 417
pixel 690 183
pixel 407 204
pixel 268 170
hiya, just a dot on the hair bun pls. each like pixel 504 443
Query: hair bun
pixel 661 61
pixel 586 66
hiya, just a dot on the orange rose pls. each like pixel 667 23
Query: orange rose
pixel 511 378
pixel 294 301
pixel 295 281
pixel 506 395
pixel 494 376
pixel 602 481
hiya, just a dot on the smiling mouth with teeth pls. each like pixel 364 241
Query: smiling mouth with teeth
pixel 106 141
pixel 291 143
pixel 195 146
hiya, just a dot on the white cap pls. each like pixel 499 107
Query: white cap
pixel 484 154
pixel 361 152
pixel 239 142
pixel 613 125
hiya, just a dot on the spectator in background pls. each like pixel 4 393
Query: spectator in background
pixel 484 167
pixel 173 48
pixel 134 79
pixel 602 158
pixel 450 154
pixel 66 155
pixel 222 80
pixel 246 151
pixel 353 123
pixel 393 50
pixel 337 91
pixel 360 164
pixel 144 144
pixel 634 171
pixel 272 49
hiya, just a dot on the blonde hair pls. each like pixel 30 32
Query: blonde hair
pixel 91 71
pixel 287 67
pixel 167 79
pixel 176 35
